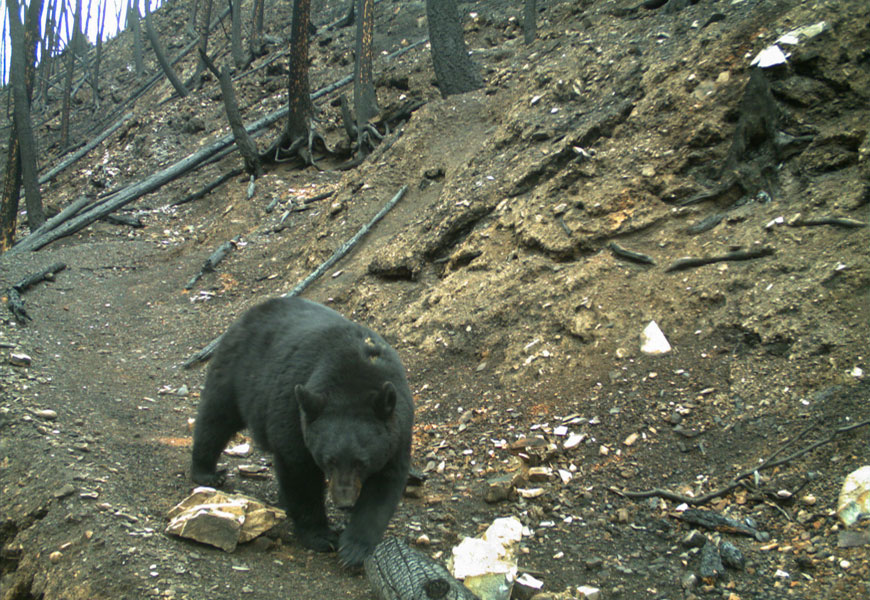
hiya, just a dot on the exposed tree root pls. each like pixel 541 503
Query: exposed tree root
pixel 301 148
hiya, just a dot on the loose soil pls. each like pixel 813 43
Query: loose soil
pixel 494 279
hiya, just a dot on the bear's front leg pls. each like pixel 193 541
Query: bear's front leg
pixel 301 492
pixel 375 506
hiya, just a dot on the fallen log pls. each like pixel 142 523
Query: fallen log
pixel 212 261
pixel 342 250
pixel 84 150
pixel 398 572
pixel 133 192
pixel 211 186
pixel 14 301
pixel 130 193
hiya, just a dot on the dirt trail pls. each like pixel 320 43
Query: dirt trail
pixel 495 281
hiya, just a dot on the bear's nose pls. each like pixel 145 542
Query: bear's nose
pixel 344 488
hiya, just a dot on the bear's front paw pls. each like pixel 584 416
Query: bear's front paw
pixel 321 539
pixel 212 478
pixel 352 552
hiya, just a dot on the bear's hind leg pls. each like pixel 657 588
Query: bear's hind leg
pixel 301 493
pixel 216 422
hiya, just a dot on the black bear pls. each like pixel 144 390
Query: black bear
pixel 329 399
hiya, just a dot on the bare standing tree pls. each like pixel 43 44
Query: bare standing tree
pixel 203 26
pixel 239 59
pixel 71 48
pixel 161 56
pixel 455 71
pixel 134 24
pixel 255 43
pixel 530 24
pixel 299 137
pixel 364 97
pixel 365 100
pixel 102 8
pixel 46 51
pixel 21 166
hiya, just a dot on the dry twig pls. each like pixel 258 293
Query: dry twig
pixel 768 463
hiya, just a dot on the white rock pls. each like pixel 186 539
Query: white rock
pixel 530 582
pixel 488 565
pixel 239 450
pixel 854 496
pixel 573 440
pixel 769 57
pixel 587 591
pixel 653 341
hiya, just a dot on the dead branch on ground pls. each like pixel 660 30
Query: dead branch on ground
pixel 736 482
pixel 342 250
pixel 690 262
pixel 15 303
pixel 212 261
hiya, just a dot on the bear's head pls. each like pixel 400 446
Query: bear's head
pixel 349 436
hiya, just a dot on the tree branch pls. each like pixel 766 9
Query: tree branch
pixel 768 463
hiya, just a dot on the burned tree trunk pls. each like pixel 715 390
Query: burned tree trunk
pixel 360 131
pixel 47 49
pixel 364 98
pixel 98 55
pixel 299 137
pixel 23 170
pixel 454 69
pixel 530 23
pixel 239 58
pixel 202 30
pixel 71 48
pixel 161 57
pixel 247 147
pixel 136 27
pixel 255 43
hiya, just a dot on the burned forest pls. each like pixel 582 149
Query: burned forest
pixel 613 255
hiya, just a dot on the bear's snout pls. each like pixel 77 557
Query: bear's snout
pixel 344 488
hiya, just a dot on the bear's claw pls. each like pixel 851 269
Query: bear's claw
pixel 320 540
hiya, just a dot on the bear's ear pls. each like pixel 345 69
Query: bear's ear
pixel 385 401
pixel 310 403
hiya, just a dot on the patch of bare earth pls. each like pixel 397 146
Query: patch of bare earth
pixel 495 279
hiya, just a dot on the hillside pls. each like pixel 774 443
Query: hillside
pixel 496 279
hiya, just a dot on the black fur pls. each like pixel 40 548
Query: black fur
pixel 329 399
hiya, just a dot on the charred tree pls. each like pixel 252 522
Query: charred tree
pixel 455 71
pixel 363 135
pixel 98 54
pixel 239 58
pixel 161 57
pixel 71 48
pixel 530 23
pixel 203 26
pixel 299 137
pixel 21 168
pixel 47 50
pixel 348 19
pixel 247 147
pixel 255 43
pixel 133 18
pixel 364 98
